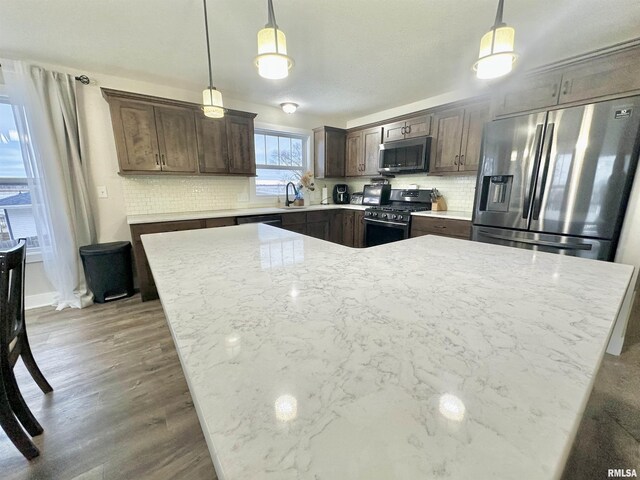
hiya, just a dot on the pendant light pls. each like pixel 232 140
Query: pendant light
pixel 211 98
pixel 272 60
pixel 496 49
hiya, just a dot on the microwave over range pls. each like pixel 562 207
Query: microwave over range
pixel 405 156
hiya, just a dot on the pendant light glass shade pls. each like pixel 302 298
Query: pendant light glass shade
pixel 497 55
pixel 212 103
pixel 272 60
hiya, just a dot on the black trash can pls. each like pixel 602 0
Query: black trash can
pixel 107 267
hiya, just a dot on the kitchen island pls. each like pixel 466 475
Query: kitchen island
pixel 425 358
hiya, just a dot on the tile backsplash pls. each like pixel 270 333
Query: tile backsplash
pixel 457 191
pixel 155 194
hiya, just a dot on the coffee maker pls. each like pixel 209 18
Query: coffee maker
pixel 341 194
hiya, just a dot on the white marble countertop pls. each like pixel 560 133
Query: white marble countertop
pixel 238 212
pixel 476 362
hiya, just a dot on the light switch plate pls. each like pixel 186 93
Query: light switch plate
pixel 102 191
pixel 243 197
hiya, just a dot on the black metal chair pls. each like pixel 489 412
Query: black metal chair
pixel 14 344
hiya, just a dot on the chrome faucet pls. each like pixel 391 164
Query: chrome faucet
pixel 288 202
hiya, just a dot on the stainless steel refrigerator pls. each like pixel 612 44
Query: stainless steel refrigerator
pixel 558 181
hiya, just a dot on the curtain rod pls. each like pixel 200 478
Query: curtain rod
pixel 83 79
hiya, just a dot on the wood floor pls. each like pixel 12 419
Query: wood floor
pixel 121 408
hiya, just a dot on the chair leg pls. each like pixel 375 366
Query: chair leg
pixel 32 366
pixel 16 434
pixel 19 406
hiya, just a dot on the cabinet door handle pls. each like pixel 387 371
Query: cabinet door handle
pixel 157 160
pixel 455 162
pixel 163 160
pixel 402 130
pixel 555 90
pixel 565 88
pixel 461 159
pixel 407 129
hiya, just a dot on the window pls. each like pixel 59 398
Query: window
pixel 16 215
pixel 280 158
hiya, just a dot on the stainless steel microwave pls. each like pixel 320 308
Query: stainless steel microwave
pixel 405 156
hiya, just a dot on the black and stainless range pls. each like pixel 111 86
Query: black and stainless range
pixel 392 222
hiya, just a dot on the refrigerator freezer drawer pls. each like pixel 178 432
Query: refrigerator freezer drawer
pixel 542 242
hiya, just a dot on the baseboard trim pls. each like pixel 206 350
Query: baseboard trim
pixel 39 300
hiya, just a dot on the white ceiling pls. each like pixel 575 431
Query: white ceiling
pixel 353 57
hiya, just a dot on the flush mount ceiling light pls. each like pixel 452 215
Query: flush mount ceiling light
pixel 289 107
pixel 496 49
pixel 211 98
pixel 272 60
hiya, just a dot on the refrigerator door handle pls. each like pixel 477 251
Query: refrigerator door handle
pixel 546 154
pixel 536 152
pixel 541 243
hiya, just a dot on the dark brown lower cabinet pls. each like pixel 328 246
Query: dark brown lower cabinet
pixel 295 222
pixel 318 224
pixel 352 228
pixel 358 230
pixel 348 220
pixel 146 283
pixel 440 226
pixel 335 226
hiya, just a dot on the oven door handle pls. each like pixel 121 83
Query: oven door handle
pixel 385 222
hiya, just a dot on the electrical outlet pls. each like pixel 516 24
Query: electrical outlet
pixel 102 191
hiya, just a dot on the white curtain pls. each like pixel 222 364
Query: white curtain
pixel 46 115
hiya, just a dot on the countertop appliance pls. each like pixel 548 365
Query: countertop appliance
pixel 341 193
pixel 356 198
pixel 405 156
pixel 390 223
pixel 558 181
pixel 376 194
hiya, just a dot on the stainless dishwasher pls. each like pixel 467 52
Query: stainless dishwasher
pixel 273 220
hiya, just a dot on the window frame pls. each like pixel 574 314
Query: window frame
pixel 33 255
pixel 307 161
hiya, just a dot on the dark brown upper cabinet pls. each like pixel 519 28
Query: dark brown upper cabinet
pixel 458 139
pixel 362 152
pixel 212 144
pixel 176 139
pixel 617 73
pixel 530 93
pixel 153 138
pixel 590 78
pixel 240 144
pixel 329 145
pixel 410 128
pixel 353 156
pixel 226 145
pixel 159 135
